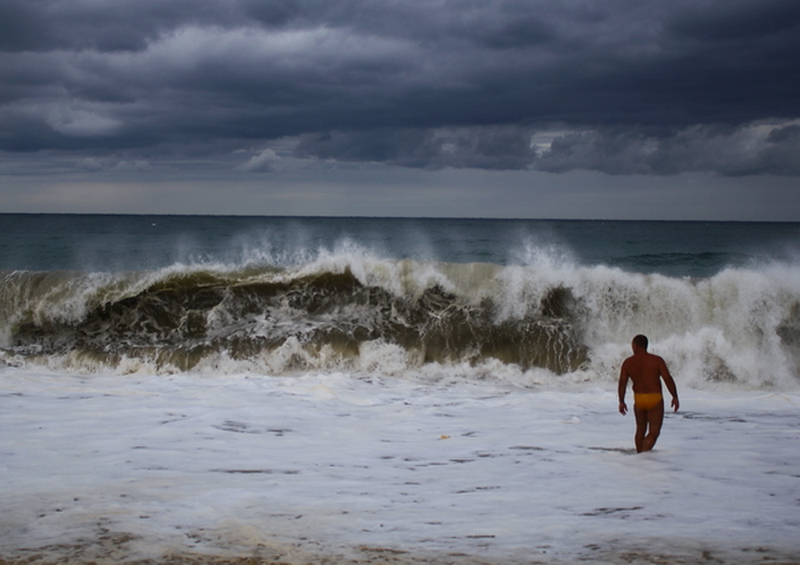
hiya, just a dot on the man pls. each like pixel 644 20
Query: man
pixel 646 370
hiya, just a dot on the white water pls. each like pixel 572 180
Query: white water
pixel 327 463
pixel 739 326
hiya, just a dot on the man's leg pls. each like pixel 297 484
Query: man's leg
pixel 641 427
pixel 654 417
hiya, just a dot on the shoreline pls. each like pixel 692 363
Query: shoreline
pixel 114 549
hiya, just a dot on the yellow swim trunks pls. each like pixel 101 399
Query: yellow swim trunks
pixel 646 401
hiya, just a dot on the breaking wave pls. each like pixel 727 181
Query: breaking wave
pixel 528 323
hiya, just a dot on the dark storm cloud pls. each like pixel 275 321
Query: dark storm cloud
pixel 492 147
pixel 754 149
pixel 621 86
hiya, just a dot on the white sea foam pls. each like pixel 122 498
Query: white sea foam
pixel 234 465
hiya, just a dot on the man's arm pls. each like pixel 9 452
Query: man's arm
pixel 622 387
pixel 670 383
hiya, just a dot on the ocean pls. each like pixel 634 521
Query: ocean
pixel 393 390
pixel 548 299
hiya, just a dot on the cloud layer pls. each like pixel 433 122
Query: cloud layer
pixel 619 86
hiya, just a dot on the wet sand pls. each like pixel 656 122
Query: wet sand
pixel 113 548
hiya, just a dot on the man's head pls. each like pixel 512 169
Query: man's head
pixel 640 342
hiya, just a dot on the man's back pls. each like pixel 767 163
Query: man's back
pixel 645 371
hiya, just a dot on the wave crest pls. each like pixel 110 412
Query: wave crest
pixel 740 327
pixel 182 319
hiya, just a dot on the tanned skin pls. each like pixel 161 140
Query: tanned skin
pixel 646 370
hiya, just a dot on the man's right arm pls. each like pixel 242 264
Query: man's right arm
pixel 670 383
pixel 622 388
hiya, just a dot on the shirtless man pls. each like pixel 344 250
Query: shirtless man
pixel 646 371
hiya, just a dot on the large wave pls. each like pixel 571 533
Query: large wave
pixel 535 322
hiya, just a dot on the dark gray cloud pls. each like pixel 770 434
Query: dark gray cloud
pixel 620 86
pixel 488 147
pixel 759 148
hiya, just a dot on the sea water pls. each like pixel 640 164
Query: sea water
pixel 549 300
pixel 179 384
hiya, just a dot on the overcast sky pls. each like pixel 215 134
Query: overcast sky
pixel 653 109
